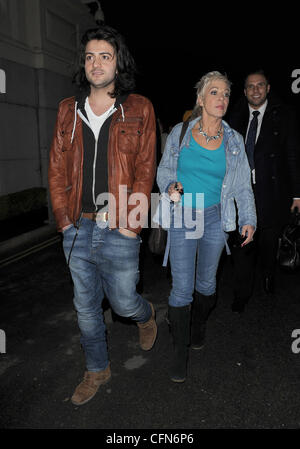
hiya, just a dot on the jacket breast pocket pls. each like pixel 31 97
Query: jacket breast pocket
pixel 129 135
pixel 67 144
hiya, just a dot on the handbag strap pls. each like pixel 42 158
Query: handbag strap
pixel 183 130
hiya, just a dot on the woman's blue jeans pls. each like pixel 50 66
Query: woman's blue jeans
pixel 194 262
pixel 103 262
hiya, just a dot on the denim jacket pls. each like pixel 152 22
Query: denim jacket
pixel 236 185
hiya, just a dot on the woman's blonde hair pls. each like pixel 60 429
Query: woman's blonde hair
pixel 202 85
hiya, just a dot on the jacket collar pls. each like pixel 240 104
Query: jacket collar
pixel 81 97
pixel 78 107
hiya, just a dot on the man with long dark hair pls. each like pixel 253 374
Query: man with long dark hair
pixel 101 172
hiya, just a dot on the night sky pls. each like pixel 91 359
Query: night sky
pixel 175 43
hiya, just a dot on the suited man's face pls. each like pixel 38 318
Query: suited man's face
pixel 256 90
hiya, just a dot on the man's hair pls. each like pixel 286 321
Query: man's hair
pixel 126 69
pixel 257 72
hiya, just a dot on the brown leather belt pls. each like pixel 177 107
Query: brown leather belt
pixel 99 216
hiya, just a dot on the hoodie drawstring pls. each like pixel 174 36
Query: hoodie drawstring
pixel 75 120
pixel 123 116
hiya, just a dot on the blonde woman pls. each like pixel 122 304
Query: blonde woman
pixel 210 160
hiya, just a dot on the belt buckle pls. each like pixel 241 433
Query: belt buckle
pixel 102 216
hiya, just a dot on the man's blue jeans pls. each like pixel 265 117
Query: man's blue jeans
pixel 103 262
pixel 199 257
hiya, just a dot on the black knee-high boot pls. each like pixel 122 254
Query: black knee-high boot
pixel 179 319
pixel 201 308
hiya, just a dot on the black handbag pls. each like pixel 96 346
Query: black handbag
pixel 157 240
pixel 288 255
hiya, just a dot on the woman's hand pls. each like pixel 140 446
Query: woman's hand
pixel 247 230
pixel 175 191
pixel 296 204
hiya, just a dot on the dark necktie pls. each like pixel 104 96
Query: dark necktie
pixel 250 143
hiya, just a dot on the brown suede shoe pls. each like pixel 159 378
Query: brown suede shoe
pixel 87 389
pixel 148 331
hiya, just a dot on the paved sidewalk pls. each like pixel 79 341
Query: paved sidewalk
pixel 246 377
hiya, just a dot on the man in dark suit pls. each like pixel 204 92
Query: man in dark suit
pixel 273 149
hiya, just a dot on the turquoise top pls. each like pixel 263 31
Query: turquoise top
pixel 201 171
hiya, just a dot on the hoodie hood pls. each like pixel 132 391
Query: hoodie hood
pixel 80 110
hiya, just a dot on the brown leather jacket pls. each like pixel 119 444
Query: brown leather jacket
pixel 131 162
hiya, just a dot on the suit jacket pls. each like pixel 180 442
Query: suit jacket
pixel 276 159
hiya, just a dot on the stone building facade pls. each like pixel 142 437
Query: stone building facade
pixel 38 47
